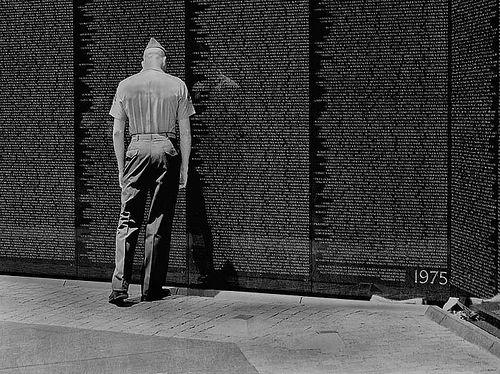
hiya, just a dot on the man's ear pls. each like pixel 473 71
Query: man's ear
pixel 142 63
pixel 164 63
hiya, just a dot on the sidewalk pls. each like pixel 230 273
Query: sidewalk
pixel 58 326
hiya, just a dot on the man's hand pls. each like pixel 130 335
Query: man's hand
pixel 120 179
pixel 183 177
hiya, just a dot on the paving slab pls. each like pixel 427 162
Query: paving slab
pixel 30 348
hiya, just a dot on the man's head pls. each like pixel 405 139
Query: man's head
pixel 154 55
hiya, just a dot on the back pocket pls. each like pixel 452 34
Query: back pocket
pixel 170 149
pixel 131 153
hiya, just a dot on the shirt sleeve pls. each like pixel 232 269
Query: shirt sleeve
pixel 185 107
pixel 116 110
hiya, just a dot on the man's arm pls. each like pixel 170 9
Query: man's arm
pixel 119 146
pixel 185 144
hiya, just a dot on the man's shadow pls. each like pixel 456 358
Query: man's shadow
pixel 202 272
pixel 201 269
pixel 128 303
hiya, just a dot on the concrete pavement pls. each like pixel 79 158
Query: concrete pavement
pixel 50 325
pixel 70 350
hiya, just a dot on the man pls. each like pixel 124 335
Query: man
pixel 153 102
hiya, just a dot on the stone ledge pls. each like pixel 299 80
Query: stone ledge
pixel 464 329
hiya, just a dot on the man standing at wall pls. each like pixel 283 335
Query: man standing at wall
pixel 153 102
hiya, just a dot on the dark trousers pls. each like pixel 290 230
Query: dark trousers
pixel 152 165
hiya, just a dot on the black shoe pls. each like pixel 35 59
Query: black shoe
pixel 118 297
pixel 156 295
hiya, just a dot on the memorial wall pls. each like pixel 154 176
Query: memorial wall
pixel 248 73
pixel 474 110
pixel 338 147
pixel 37 173
pixel 379 142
